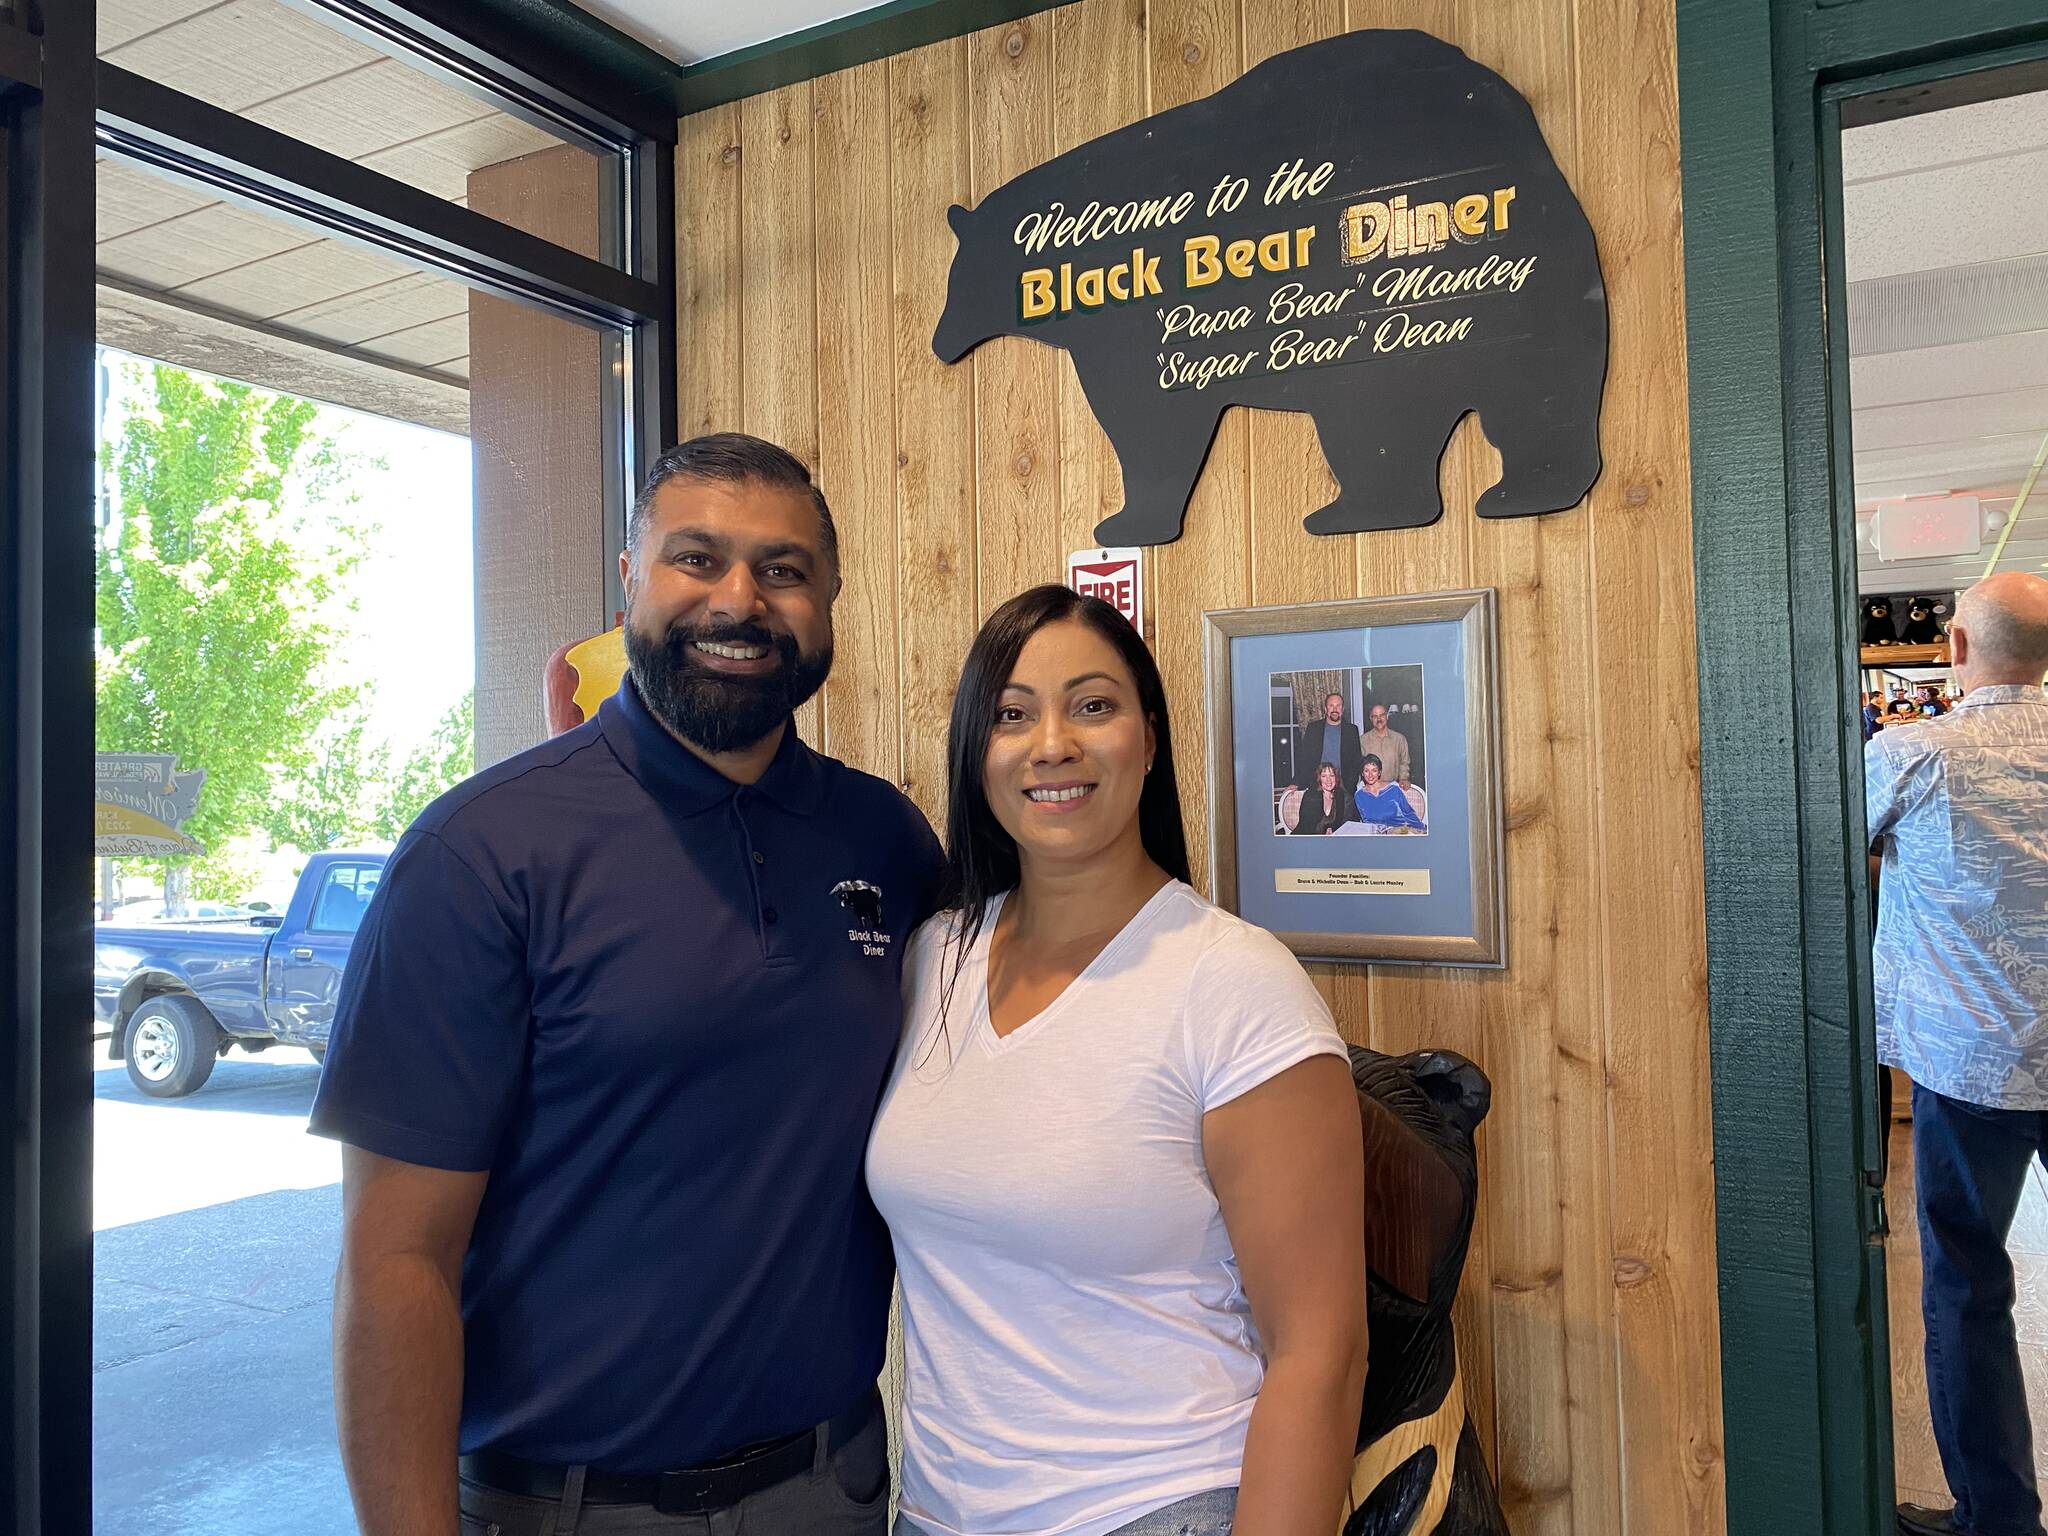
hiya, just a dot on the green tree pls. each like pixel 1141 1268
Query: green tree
pixel 438 764
pixel 335 802
pixel 215 583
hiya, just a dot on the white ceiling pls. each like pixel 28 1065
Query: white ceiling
pixel 692 30
pixel 1946 248
pixel 190 279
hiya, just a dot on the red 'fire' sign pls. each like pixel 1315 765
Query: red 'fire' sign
pixel 1114 575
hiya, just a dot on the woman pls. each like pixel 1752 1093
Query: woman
pixel 1125 1308
pixel 1325 807
pixel 1383 804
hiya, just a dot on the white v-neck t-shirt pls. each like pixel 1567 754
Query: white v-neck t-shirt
pixel 1079 1350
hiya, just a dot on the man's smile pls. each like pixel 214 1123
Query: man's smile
pixel 735 656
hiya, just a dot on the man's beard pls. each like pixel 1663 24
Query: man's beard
pixel 717 711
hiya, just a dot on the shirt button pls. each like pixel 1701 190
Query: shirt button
pixel 760 858
pixel 768 916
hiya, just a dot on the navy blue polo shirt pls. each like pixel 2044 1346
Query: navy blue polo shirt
pixel 644 999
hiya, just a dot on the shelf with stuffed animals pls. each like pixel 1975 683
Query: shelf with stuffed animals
pixel 1906 632
pixel 1897 655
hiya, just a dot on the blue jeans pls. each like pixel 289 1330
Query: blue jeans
pixel 1206 1514
pixel 1970 1163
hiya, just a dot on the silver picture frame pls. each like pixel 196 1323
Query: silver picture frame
pixel 1480 941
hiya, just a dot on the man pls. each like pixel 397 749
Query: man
pixel 1327 738
pixel 1961 972
pixel 605 1060
pixel 1390 747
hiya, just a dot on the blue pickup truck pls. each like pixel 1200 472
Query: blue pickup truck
pixel 177 997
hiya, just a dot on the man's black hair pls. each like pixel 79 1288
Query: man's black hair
pixel 733 458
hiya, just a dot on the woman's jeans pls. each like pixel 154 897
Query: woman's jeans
pixel 1206 1514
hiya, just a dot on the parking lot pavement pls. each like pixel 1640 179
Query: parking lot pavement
pixel 217 1229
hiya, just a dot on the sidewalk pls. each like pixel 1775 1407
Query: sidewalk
pixel 213 1300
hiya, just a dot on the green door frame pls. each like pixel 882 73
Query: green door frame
pixel 1797 1139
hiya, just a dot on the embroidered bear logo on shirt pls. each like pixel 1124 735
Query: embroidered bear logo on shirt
pixel 864 901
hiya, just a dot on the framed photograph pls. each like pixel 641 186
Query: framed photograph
pixel 1354 776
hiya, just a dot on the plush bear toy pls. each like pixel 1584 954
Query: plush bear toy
pixel 1877 622
pixel 1922 627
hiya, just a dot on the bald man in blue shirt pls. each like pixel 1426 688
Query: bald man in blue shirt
pixel 1960 971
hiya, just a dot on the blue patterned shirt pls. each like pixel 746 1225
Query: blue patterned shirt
pixel 1961 960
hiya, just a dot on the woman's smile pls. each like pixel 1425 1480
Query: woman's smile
pixel 1060 799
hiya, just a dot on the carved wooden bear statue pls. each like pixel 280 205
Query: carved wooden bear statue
pixel 1877 622
pixel 1419 1470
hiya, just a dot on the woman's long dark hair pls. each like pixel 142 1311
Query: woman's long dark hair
pixel 981 858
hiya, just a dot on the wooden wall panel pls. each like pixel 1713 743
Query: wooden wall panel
pixel 779 289
pixel 778 296
pixel 1587 1323
pixel 1016 382
pixel 1653 994
pixel 1538 565
pixel 929 127
pixel 857 412
pixel 709 310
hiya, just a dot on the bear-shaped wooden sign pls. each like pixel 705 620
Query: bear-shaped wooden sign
pixel 1369 229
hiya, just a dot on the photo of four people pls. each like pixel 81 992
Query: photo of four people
pixel 1348 752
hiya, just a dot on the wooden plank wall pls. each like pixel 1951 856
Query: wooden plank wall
pixel 813 262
